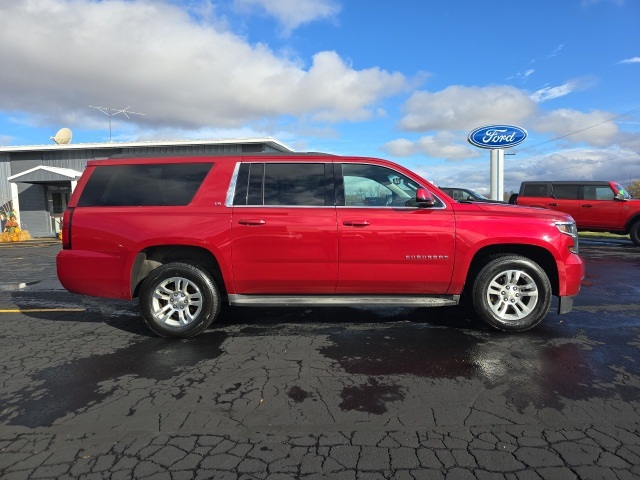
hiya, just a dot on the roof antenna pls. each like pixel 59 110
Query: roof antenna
pixel 108 112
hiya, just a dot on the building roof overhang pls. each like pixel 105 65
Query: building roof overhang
pixel 270 142
pixel 42 174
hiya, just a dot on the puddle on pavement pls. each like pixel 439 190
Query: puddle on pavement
pixel 298 395
pixel 535 371
pixel 73 386
pixel 370 397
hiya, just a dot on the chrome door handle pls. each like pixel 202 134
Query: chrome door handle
pixel 251 222
pixel 356 223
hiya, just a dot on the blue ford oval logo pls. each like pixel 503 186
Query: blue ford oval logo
pixel 497 136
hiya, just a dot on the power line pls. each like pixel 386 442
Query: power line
pixel 585 164
pixel 583 129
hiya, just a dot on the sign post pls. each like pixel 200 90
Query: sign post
pixel 496 138
pixel 497 174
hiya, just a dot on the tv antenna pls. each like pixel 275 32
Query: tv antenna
pixel 110 112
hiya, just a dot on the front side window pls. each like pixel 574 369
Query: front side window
pixel 598 192
pixel 376 186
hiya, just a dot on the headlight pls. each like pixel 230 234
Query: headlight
pixel 569 228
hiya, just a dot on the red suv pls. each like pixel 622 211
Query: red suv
pixel 186 234
pixel 595 206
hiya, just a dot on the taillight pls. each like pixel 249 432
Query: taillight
pixel 66 229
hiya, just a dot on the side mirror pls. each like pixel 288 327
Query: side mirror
pixel 620 196
pixel 424 198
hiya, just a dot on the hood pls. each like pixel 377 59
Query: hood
pixel 506 209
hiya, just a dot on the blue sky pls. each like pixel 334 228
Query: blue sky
pixel 405 80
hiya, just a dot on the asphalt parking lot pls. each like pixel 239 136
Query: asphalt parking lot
pixel 345 393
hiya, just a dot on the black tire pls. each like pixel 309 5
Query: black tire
pixel 511 293
pixel 179 300
pixel 634 233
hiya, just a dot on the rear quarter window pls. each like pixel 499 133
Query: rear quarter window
pixel 534 190
pixel 171 184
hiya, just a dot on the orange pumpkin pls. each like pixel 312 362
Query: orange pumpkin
pixel 15 238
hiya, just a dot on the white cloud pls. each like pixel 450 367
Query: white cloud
pixel 459 109
pixel 556 51
pixel 549 93
pixel 182 72
pixel 464 108
pixel 294 13
pixel 444 145
pixel 591 128
pixel 630 60
pixel 613 164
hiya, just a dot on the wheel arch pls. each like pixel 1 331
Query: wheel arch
pixel 630 221
pixel 155 256
pixel 539 255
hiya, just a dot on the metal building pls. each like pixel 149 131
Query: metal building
pixel 37 181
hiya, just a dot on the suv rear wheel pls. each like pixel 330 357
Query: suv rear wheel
pixel 179 300
pixel 634 233
pixel 512 293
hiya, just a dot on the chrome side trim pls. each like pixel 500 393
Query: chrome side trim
pixel 285 206
pixel 344 300
pixel 231 192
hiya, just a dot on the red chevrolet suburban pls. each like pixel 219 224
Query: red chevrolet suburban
pixel 185 234
pixel 595 206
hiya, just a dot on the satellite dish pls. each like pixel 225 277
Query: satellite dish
pixel 63 137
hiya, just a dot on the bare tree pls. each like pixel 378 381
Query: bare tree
pixel 634 189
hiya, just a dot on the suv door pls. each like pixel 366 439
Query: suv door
pixel 387 245
pixel 599 207
pixel 283 234
pixel 565 198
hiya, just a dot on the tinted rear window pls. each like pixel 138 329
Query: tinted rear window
pixel 169 184
pixel 535 190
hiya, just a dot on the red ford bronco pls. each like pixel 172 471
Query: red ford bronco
pixel 595 206
pixel 185 234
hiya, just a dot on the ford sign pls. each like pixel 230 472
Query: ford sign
pixel 497 136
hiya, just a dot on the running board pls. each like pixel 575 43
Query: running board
pixel 344 300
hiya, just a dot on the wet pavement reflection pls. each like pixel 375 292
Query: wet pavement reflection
pixel 74 386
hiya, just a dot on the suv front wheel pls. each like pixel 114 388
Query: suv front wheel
pixel 512 293
pixel 179 300
pixel 634 233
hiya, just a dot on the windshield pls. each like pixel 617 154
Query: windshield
pixel 473 194
pixel 464 194
pixel 622 192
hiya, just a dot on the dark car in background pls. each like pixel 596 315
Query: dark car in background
pixel 466 195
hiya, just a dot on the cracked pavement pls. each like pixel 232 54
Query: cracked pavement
pixel 345 393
